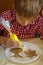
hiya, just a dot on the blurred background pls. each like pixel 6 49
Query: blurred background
pixel 6 5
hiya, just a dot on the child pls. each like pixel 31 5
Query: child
pixel 26 19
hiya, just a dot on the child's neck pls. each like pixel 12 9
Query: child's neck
pixel 23 22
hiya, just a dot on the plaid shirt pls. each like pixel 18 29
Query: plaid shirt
pixel 23 32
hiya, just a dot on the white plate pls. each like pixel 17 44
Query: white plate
pixel 26 46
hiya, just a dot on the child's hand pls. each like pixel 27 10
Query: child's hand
pixel 11 43
pixel 8 42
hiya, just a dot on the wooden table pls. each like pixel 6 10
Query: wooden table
pixel 36 41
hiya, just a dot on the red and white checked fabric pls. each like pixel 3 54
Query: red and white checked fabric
pixel 23 32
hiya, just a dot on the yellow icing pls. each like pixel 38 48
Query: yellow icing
pixel 15 38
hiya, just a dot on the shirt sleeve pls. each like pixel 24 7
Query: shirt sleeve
pixel 7 15
pixel 40 30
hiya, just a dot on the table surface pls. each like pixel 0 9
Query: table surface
pixel 35 41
